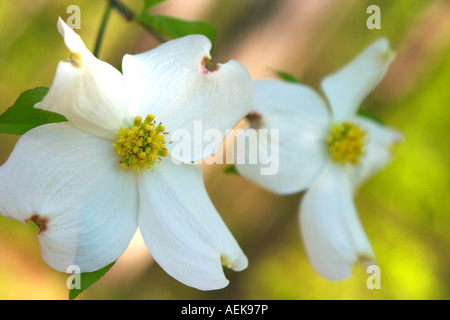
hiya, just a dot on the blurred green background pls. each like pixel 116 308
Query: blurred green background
pixel 404 209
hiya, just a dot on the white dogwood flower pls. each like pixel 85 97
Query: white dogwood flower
pixel 89 183
pixel 328 152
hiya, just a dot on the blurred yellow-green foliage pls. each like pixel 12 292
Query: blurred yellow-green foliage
pixel 404 209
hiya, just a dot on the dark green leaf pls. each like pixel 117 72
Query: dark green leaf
pixel 176 28
pixel 286 76
pixel 366 114
pixel 151 3
pixel 87 279
pixel 231 170
pixel 22 116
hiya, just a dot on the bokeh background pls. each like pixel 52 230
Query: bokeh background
pixel 404 209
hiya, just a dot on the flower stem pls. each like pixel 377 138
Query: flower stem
pixel 130 15
pixel 101 31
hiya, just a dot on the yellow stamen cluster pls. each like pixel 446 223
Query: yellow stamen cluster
pixel 142 144
pixel 346 142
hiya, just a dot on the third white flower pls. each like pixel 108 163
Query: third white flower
pixel 328 151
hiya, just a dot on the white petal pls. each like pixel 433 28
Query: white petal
pixel 302 121
pixel 172 83
pixel 349 86
pixel 182 229
pixel 332 233
pixel 74 181
pixel 90 93
pixel 72 40
pixel 377 151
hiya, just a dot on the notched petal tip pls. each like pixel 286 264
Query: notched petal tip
pixel 208 66
pixel 399 137
pixel 395 138
pixel 41 222
pixel 75 59
pixel 255 119
pixel 254 115
pixel 225 260
pixel 366 259
pixel 387 53
pixel 236 264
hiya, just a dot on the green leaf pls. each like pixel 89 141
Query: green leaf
pixel 22 116
pixel 87 279
pixel 286 76
pixel 366 114
pixel 176 28
pixel 151 3
pixel 231 170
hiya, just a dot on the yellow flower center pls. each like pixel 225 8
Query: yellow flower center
pixel 346 142
pixel 142 144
